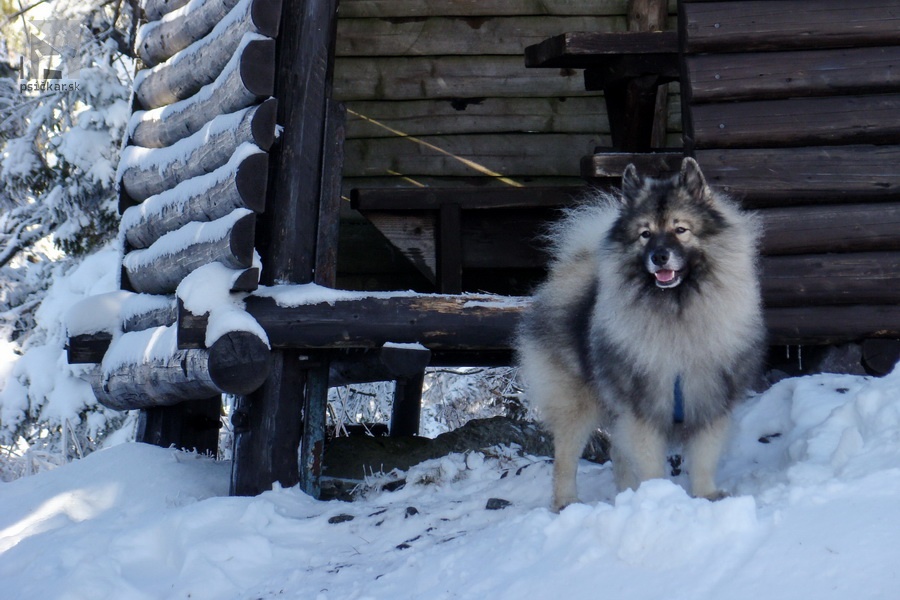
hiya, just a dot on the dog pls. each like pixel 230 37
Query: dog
pixel 649 324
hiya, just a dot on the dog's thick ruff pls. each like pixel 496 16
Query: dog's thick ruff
pixel 647 286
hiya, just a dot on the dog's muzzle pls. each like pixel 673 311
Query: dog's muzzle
pixel 665 266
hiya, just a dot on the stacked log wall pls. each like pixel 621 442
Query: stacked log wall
pixel 192 179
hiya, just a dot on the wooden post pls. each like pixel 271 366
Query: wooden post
pixel 192 425
pixel 268 422
pixel 637 107
pixel 407 409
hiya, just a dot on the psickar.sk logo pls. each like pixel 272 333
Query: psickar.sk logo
pixel 47 42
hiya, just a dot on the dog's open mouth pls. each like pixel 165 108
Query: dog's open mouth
pixel 667 278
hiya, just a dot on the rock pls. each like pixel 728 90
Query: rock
pixel 497 504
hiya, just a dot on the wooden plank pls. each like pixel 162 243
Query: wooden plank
pixel 479 8
pixel 798 122
pixel 433 198
pixel 328 232
pixel 583 49
pixel 853 278
pixel 767 25
pixel 831 324
pixel 762 75
pixel 831 228
pixel 446 36
pixel 585 114
pixel 486 155
pixel 449 249
pixel 773 177
pixel 200 63
pixel 417 78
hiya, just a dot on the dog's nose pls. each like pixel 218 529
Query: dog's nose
pixel 660 257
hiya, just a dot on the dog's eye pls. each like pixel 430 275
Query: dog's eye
pixel 645 234
pixel 680 230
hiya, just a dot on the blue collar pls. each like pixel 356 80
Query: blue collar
pixel 678 412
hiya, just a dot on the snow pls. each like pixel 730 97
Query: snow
pixel 207 290
pixel 814 469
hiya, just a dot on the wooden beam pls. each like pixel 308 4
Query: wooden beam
pixel 158 40
pixel 146 172
pixel 248 77
pixel 160 268
pixel 241 183
pixel 237 363
pixel 437 322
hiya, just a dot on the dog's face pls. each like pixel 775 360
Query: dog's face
pixel 664 225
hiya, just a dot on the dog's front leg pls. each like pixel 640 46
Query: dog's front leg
pixel 704 447
pixel 638 451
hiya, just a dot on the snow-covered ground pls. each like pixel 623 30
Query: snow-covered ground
pixel 814 472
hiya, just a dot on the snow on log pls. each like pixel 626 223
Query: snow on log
pixel 158 40
pixel 236 364
pixel 248 76
pixel 199 64
pixel 240 183
pixel 155 9
pixel 207 292
pixel 145 172
pixel 161 267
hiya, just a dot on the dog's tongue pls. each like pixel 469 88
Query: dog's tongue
pixel 665 275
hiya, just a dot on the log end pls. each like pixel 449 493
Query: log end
pixel 263 125
pixel 266 15
pixel 243 234
pixel 239 362
pixel 258 67
pixel 251 181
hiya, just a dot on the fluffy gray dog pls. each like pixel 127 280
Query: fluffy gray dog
pixel 649 324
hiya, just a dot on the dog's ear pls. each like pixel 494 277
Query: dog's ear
pixel 631 182
pixel 692 179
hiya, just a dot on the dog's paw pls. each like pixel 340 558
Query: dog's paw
pixel 560 503
pixel 716 495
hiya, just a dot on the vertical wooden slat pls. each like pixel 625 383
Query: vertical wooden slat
pixel 450 249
